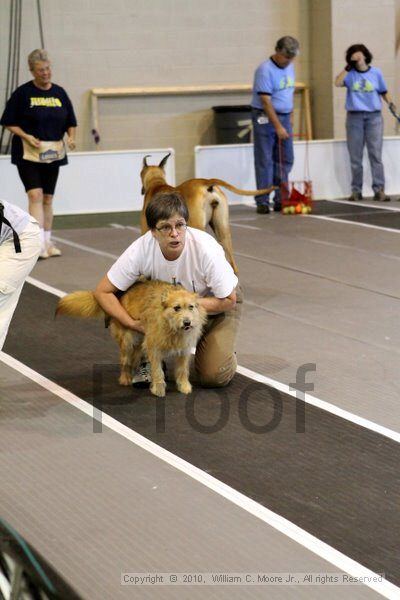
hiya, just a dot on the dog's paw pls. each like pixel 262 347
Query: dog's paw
pixel 158 389
pixel 125 379
pixel 184 387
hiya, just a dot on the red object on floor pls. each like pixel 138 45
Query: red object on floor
pixel 298 192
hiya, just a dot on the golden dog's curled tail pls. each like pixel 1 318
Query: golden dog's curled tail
pixel 80 304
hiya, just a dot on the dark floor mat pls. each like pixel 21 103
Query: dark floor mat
pixel 387 218
pixel 332 208
pixel 336 480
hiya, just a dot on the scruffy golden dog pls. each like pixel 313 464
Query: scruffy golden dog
pixel 206 202
pixel 172 319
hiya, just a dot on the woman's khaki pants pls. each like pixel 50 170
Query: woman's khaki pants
pixel 215 359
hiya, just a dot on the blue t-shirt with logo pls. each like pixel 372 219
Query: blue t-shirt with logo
pixel 364 89
pixel 274 81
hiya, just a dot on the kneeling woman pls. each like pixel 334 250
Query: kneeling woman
pixel 173 252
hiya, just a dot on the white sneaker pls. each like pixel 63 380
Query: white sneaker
pixel 52 250
pixel 43 253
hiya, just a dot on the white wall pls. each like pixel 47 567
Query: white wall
pixel 96 182
pixel 119 43
pixel 92 182
pixel 328 161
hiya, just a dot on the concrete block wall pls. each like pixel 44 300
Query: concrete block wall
pixel 105 43
pixel 321 67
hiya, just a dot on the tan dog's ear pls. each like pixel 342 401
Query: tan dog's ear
pixel 145 161
pixel 164 160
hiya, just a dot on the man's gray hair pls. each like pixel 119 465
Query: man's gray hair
pixel 288 45
pixel 36 56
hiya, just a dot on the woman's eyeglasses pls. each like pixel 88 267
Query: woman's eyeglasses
pixel 168 228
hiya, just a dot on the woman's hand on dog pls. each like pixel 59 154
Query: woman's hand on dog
pixel 137 326
pixel 105 296
pixel 215 305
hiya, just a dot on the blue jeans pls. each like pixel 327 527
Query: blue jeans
pixel 269 170
pixel 365 128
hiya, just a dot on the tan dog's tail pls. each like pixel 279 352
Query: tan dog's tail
pixel 80 304
pixel 236 190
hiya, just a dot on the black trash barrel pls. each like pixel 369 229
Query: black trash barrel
pixel 230 121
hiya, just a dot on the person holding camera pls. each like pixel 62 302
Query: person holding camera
pixel 365 86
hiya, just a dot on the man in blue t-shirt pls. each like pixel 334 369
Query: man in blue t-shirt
pixel 272 109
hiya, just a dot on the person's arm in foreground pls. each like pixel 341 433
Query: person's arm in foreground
pixel 105 296
pixel 218 305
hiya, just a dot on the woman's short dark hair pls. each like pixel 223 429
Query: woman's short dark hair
pixel 163 206
pixel 358 48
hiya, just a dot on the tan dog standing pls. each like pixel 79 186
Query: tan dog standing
pixel 172 319
pixel 206 202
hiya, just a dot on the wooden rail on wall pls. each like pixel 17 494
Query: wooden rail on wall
pixel 227 88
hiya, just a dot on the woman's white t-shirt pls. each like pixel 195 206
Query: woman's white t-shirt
pixel 202 266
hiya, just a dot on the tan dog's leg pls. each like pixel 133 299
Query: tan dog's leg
pixel 182 374
pixel 143 221
pixel 220 226
pixel 158 385
pixel 199 206
pixel 129 357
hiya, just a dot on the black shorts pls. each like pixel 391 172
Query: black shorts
pixel 39 175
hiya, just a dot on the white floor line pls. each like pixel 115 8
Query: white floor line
pixel 241 219
pixel 245 226
pixel 339 215
pixel 290 316
pixel 322 404
pixel 131 227
pixel 357 223
pixel 302 537
pixel 84 248
pixel 47 288
pixel 345 247
pixel 324 242
pixel 371 204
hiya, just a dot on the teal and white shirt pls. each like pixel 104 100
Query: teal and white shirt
pixel 364 90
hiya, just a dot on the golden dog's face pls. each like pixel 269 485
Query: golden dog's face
pixel 182 311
